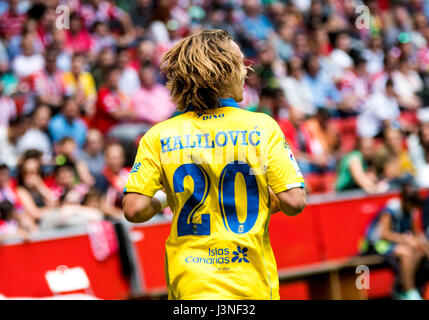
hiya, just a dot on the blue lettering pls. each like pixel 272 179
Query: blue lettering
pixel 207 146
pixel 177 143
pixel 225 139
pixel 244 142
pixel 188 141
pixel 258 133
pixel 165 143
pixel 233 139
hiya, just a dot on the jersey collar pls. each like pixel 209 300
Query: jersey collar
pixel 223 102
pixel 228 102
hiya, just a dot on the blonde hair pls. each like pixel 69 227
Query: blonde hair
pixel 201 68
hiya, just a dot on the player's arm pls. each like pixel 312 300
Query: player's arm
pixel 286 184
pixel 292 201
pixel 144 196
pixel 141 208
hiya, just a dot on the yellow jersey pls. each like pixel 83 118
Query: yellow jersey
pixel 216 168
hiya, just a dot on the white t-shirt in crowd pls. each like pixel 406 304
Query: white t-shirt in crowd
pixel 378 108
pixel 23 66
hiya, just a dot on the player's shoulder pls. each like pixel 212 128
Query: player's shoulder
pixel 167 125
pixel 259 118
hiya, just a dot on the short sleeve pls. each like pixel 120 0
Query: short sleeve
pixel 145 175
pixel 283 172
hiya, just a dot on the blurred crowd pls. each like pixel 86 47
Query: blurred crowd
pixel 80 84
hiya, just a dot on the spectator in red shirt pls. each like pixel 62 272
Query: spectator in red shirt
pixel 78 39
pixel 113 106
pixel 297 138
pixel 11 21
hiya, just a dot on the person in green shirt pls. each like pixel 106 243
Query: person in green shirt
pixel 356 171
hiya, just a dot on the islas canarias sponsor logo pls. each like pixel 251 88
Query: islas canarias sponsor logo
pixel 221 256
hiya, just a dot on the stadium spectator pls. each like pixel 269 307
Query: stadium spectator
pixel 323 142
pixel 145 54
pixel 129 81
pixel 407 84
pixel 63 57
pixel 105 60
pixel 418 144
pixel 141 16
pixel 113 106
pixel 266 103
pixel 283 42
pixel 379 111
pixel 356 170
pixel 257 24
pixel 393 234
pixel 66 151
pixel 9 137
pixel 48 83
pixel 116 175
pixel 324 92
pixel 354 87
pixel 12 21
pixel 32 191
pixel 374 55
pixel 67 123
pixel 77 38
pixel 340 55
pixel 93 156
pixel 101 38
pixel 71 195
pixel 268 66
pixel 296 89
pixel 7 108
pixel 27 62
pixel 297 138
pixel 81 85
pixel 9 224
pixel 379 79
pixel 29 28
pixel 393 143
pixel 67 185
pixel 252 88
pixel 152 102
pixel 12 220
pixel 36 136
